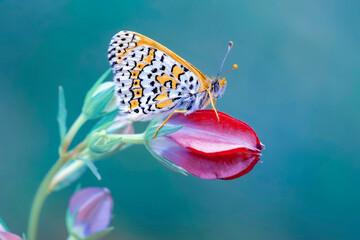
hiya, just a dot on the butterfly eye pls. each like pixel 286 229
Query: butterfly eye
pixel 216 86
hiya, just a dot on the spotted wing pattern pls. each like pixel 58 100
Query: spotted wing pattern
pixel 150 80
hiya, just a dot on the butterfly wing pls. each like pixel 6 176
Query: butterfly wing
pixel 150 79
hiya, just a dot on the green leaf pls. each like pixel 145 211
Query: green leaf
pixel 24 236
pixel 62 114
pixel 3 225
pixel 163 131
pixel 92 167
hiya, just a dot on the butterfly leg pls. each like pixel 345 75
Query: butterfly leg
pixel 167 119
pixel 213 104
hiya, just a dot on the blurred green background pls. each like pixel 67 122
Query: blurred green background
pixel 297 85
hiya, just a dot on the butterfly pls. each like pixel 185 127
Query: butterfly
pixel 152 82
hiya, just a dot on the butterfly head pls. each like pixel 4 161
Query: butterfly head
pixel 218 87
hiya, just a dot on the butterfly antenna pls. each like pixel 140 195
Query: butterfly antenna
pixel 222 64
pixel 235 66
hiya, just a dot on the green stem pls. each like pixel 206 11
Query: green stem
pixel 43 190
pixel 40 197
pixel 130 138
pixel 46 187
pixel 72 132
pixel 126 139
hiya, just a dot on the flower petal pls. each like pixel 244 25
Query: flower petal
pixel 93 207
pixel 227 136
pixel 226 166
pixel 101 217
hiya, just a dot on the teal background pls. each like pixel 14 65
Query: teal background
pixel 297 85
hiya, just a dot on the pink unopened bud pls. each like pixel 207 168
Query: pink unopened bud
pixel 208 148
pixel 91 210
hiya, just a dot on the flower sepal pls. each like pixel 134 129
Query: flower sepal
pixel 94 236
pixel 165 130
pixel 70 221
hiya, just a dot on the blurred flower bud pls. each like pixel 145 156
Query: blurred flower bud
pixel 207 148
pixel 100 100
pixel 106 137
pixel 68 174
pixel 89 213
pixel 100 142
pixel 5 234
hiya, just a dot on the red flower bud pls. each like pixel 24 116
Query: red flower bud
pixel 208 148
